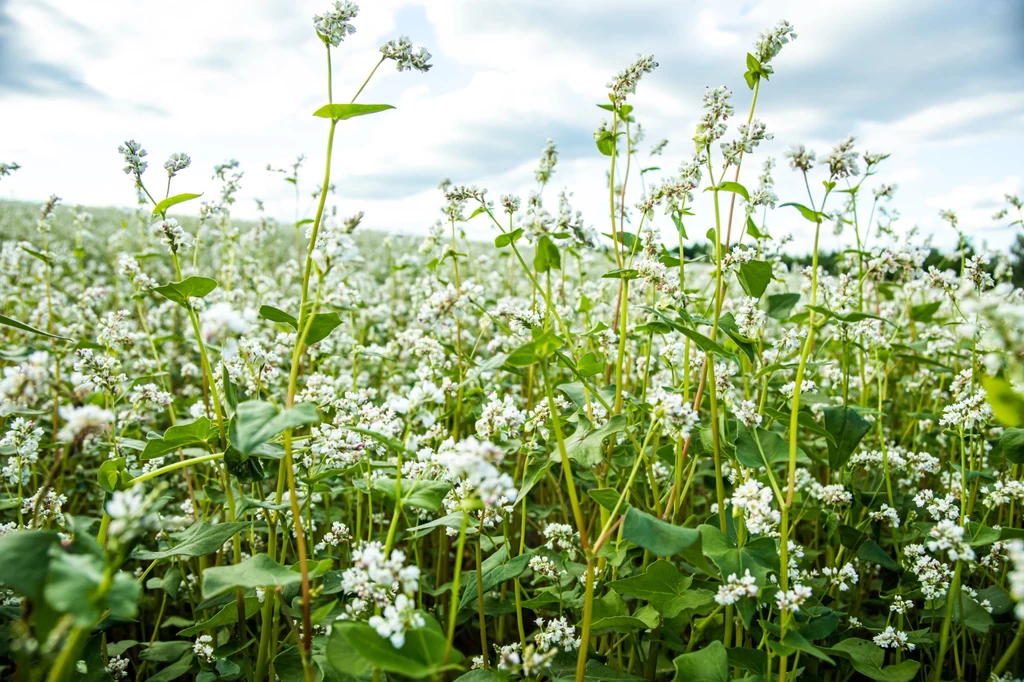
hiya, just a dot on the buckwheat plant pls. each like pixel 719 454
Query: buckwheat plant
pixel 619 446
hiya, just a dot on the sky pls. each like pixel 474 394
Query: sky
pixel 937 84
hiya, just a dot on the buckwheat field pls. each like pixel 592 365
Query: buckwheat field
pixel 613 447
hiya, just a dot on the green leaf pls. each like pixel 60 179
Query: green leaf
pixel 342 112
pixel 849 318
pixel 255 422
pixel 925 312
pixel 356 646
pixel 734 187
pixel 1007 405
pixel 867 658
pixel 343 654
pixel 257 571
pixel 606 143
pixel 873 552
pixel 751 660
pixel 190 287
pixel 753 231
pixel 591 364
pixel 812 215
pixel 612 615
pixel 710 664
pixel 198 432
pixel 662 585
pixel 585 445
pixel 32 330
pixel 76 585
pixel 661 538
pixel 497 569
pixel 757 447
pixel 847 428
pixel 781 305
pixel 199 539
pixel 621 273
pixel 25 560
pixel 321 326
pixel 113 475
pixel 754 277
pixel 165 652
pixel 974 616
pixel 503 240
pixel 546 256
pixel 795 640
pixel 161 208
pixel 1012 445
pixel 427 495
pixel 176 669
pixel 273 314
pixel 759 555
pixel 228 615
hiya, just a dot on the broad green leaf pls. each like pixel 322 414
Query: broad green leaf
pixel 546 256
pixel 925 312
pixel 497 569
pixel 867 658
pixel 113 475
pixel 31 330
pixel 427 495
pixel 255 422
pixel 759 555
pixel 175 670
pixel 662 585
pixel 25 560
pixel 422 654
pixel 849 318
pixel 757 447
pixel 734 187
pixel 661 538
pixel 1012 445
pixel 321 326
pixel 873 552
pixel 190 287
pixel 257 571
pixel 161 208
pixel 608 498
pixel 754 277
pixel 1007 404
pixel 586 445
pixel 164 652
pixel 591 364
pixel 76 586
pixel 269 312
pixel 198 432
pixel 780 306
pixel 710 664
pixel 342 112
pixel 228 615
pixel 847 428
pixel 199 539
pixel 503 240
pixel 810 214
pixel 752 660
pixel 344 654
pixel 612 615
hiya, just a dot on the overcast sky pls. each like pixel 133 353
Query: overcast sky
pixel 939 85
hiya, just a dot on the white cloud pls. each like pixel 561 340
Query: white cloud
pixel 239 79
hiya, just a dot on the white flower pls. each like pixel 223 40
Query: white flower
pixel 397 619
pixel 736 588
pixel 79 421
pixel 891 638
pixel 333 25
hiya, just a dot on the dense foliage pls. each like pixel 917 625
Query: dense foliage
pixel 252 451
